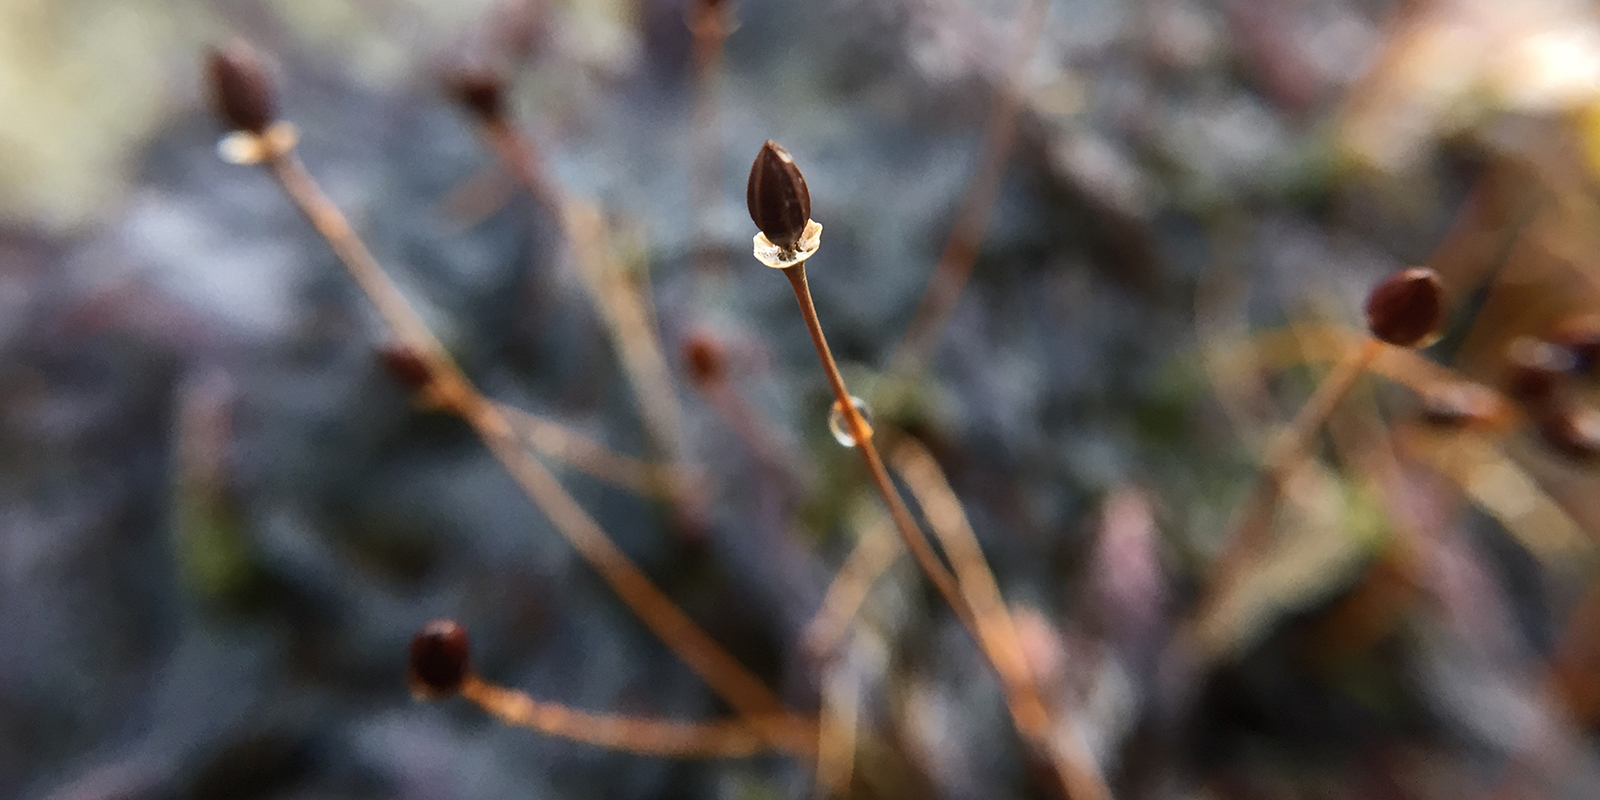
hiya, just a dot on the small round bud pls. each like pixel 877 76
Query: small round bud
pixel 780 203
pixel 1460 405
pixel 405 365
pixel 1573 432
pixel 1535 368
pixel 439 661
pixel 479 88
pixel 242 90
pixel 703 355
pixel 1580 336
pixel 1406 308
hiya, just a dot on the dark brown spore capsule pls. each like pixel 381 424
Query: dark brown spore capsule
pixel 242 90
pixel 703 355
pixel 780 203
pixel 405 365
pixel 1534 368
pixel 1573 432
pixel 1405 309
pixel 479 88
pixel 439 661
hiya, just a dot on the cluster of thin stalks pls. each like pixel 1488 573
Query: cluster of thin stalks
pixel 1467 427
pixel 1406 311
pixel 762 723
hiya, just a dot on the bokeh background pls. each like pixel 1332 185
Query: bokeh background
pixel 221 521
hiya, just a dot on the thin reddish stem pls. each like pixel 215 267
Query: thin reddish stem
pixel 920 548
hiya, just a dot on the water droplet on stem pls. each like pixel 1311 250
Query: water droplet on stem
pixel 839 426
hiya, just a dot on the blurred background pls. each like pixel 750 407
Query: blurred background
pixel 221 520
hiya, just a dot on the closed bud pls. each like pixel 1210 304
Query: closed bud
pixel 405 365
pixel 1406 308
pixel 1574 433
pixel 1535 368
pixel 703 355
pixel 241 88
pixel 479 88
pixel 780 203
pixel 439 659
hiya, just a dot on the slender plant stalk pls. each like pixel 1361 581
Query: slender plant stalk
pixel 956 262
pixel 618 302
pixel 521 157
pixel 997 632
pixel 1252 518
pixel 915 541
pixel 335 229
pixel 1545 523
pixel 1308 343
pixel 1032 722
pixel 642 735
pixel 837 728
pixel 760 707
pixel 592 458
pixel 875 551
pixel 757 704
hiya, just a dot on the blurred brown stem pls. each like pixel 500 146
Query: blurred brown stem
pixel 643 735
pixel 1310 343
pixel 1251 522
pixel 875 551
pixel 997 632
pixel 837 727
pixel 593 458
pixel 960 253
pixel 619 303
